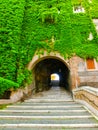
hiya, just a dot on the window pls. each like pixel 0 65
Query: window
pixel 78 9
pixel 90 63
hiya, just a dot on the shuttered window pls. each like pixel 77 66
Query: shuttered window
pixel 90 63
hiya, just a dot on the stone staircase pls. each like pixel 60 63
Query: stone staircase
pixel 53 109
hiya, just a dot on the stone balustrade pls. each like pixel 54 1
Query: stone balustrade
pixel 87 96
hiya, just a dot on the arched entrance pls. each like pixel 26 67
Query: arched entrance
pixel 44 67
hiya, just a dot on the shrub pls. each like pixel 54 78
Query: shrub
pixel 6 85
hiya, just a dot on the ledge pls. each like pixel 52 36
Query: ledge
pixel 5 101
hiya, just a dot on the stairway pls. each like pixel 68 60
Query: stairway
pixel 53 109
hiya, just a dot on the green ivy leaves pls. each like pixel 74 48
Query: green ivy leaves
pixel 6 84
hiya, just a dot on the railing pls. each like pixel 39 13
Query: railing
pixel 87 96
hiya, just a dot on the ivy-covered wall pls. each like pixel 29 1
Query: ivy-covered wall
pixel 11 19
pixel 30 25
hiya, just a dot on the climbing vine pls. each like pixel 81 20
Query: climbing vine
pixel 28 26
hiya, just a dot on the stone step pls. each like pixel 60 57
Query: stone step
pixel 45 106
pixel 47 128
pixel 48 100
pixel 47 103
pixel 45 117
pixel 72 113
pixel 52 96
pixel 48 121
pixel 42 111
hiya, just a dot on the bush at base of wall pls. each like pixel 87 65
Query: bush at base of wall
pixel 6 84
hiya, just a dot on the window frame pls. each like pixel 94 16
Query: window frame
pixel 78 11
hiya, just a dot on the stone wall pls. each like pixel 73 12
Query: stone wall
pixel 88 78
pixel 80 75
pixel 41 79
pixel 73 64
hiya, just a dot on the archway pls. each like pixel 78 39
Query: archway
pixel 45 67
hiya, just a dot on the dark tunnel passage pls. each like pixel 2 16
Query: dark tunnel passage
pixel 43 71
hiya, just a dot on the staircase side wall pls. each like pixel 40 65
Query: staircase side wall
pixel 87 96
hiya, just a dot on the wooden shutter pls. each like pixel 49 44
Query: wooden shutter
pixel 90 63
